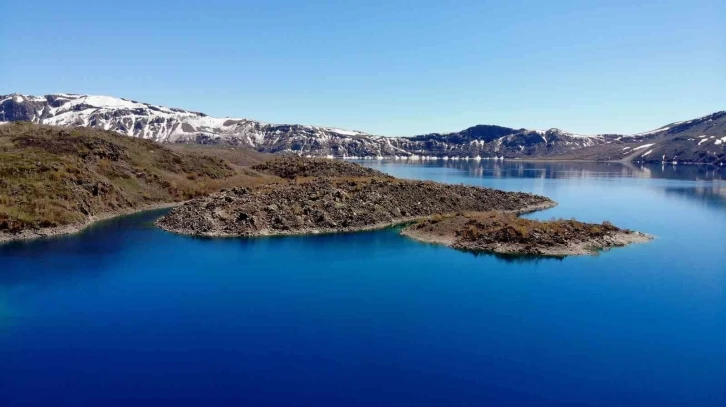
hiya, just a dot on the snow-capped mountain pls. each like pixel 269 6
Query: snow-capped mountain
pixel 701 140
pixel 159 123
pixel 172 125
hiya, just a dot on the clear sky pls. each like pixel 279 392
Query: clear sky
pixel 390 67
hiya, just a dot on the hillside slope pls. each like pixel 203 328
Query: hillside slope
pixel 51 177
pixel 701 140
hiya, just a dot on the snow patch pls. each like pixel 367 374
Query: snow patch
pixel 106 101
pixel 643 146
pixel 652 131
pixel 583 135
pixel 341 131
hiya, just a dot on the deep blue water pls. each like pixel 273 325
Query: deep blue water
pixel 126 314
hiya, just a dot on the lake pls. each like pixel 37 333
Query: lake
pixel 126 314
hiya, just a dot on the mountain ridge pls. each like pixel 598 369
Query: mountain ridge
pixel 679 141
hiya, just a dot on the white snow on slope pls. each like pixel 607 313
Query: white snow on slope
pixel 643 146
pixel 105 101
pixel 583 135
pixel 646 133
pixel 543 133
pixel 166 124
pixel 341 131
pixel 162 123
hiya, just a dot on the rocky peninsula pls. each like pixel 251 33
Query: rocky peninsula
pixel 505 233
pixel 326 205
pixel 325 196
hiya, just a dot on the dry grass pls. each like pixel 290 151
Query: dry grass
pixel 234 155
pixel 52 176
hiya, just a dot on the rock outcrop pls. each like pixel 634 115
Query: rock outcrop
pixel 506 233
pixel 291 167
pixel 324 205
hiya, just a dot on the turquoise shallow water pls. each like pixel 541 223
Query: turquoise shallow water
pixel 127 314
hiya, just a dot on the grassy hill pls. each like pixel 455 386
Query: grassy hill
pixel 53 177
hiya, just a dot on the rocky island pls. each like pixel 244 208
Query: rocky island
pixel 505 233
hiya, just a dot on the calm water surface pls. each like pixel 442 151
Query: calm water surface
pixel 126 314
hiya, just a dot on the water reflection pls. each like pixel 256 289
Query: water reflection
pixel 709 194
pixel 565 169
pixel 83 255
pixel 515 258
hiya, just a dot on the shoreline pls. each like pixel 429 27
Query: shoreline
pixel 623 161
pixel 618 239
pixel 592 246
pixel 33 234
pixel 324 231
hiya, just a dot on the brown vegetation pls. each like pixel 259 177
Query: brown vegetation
pixel 51 176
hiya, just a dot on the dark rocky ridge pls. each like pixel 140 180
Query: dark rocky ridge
pixel 506 233
pixel 335 205
pixel 290 167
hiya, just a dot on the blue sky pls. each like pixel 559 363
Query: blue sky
pixel 391 68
